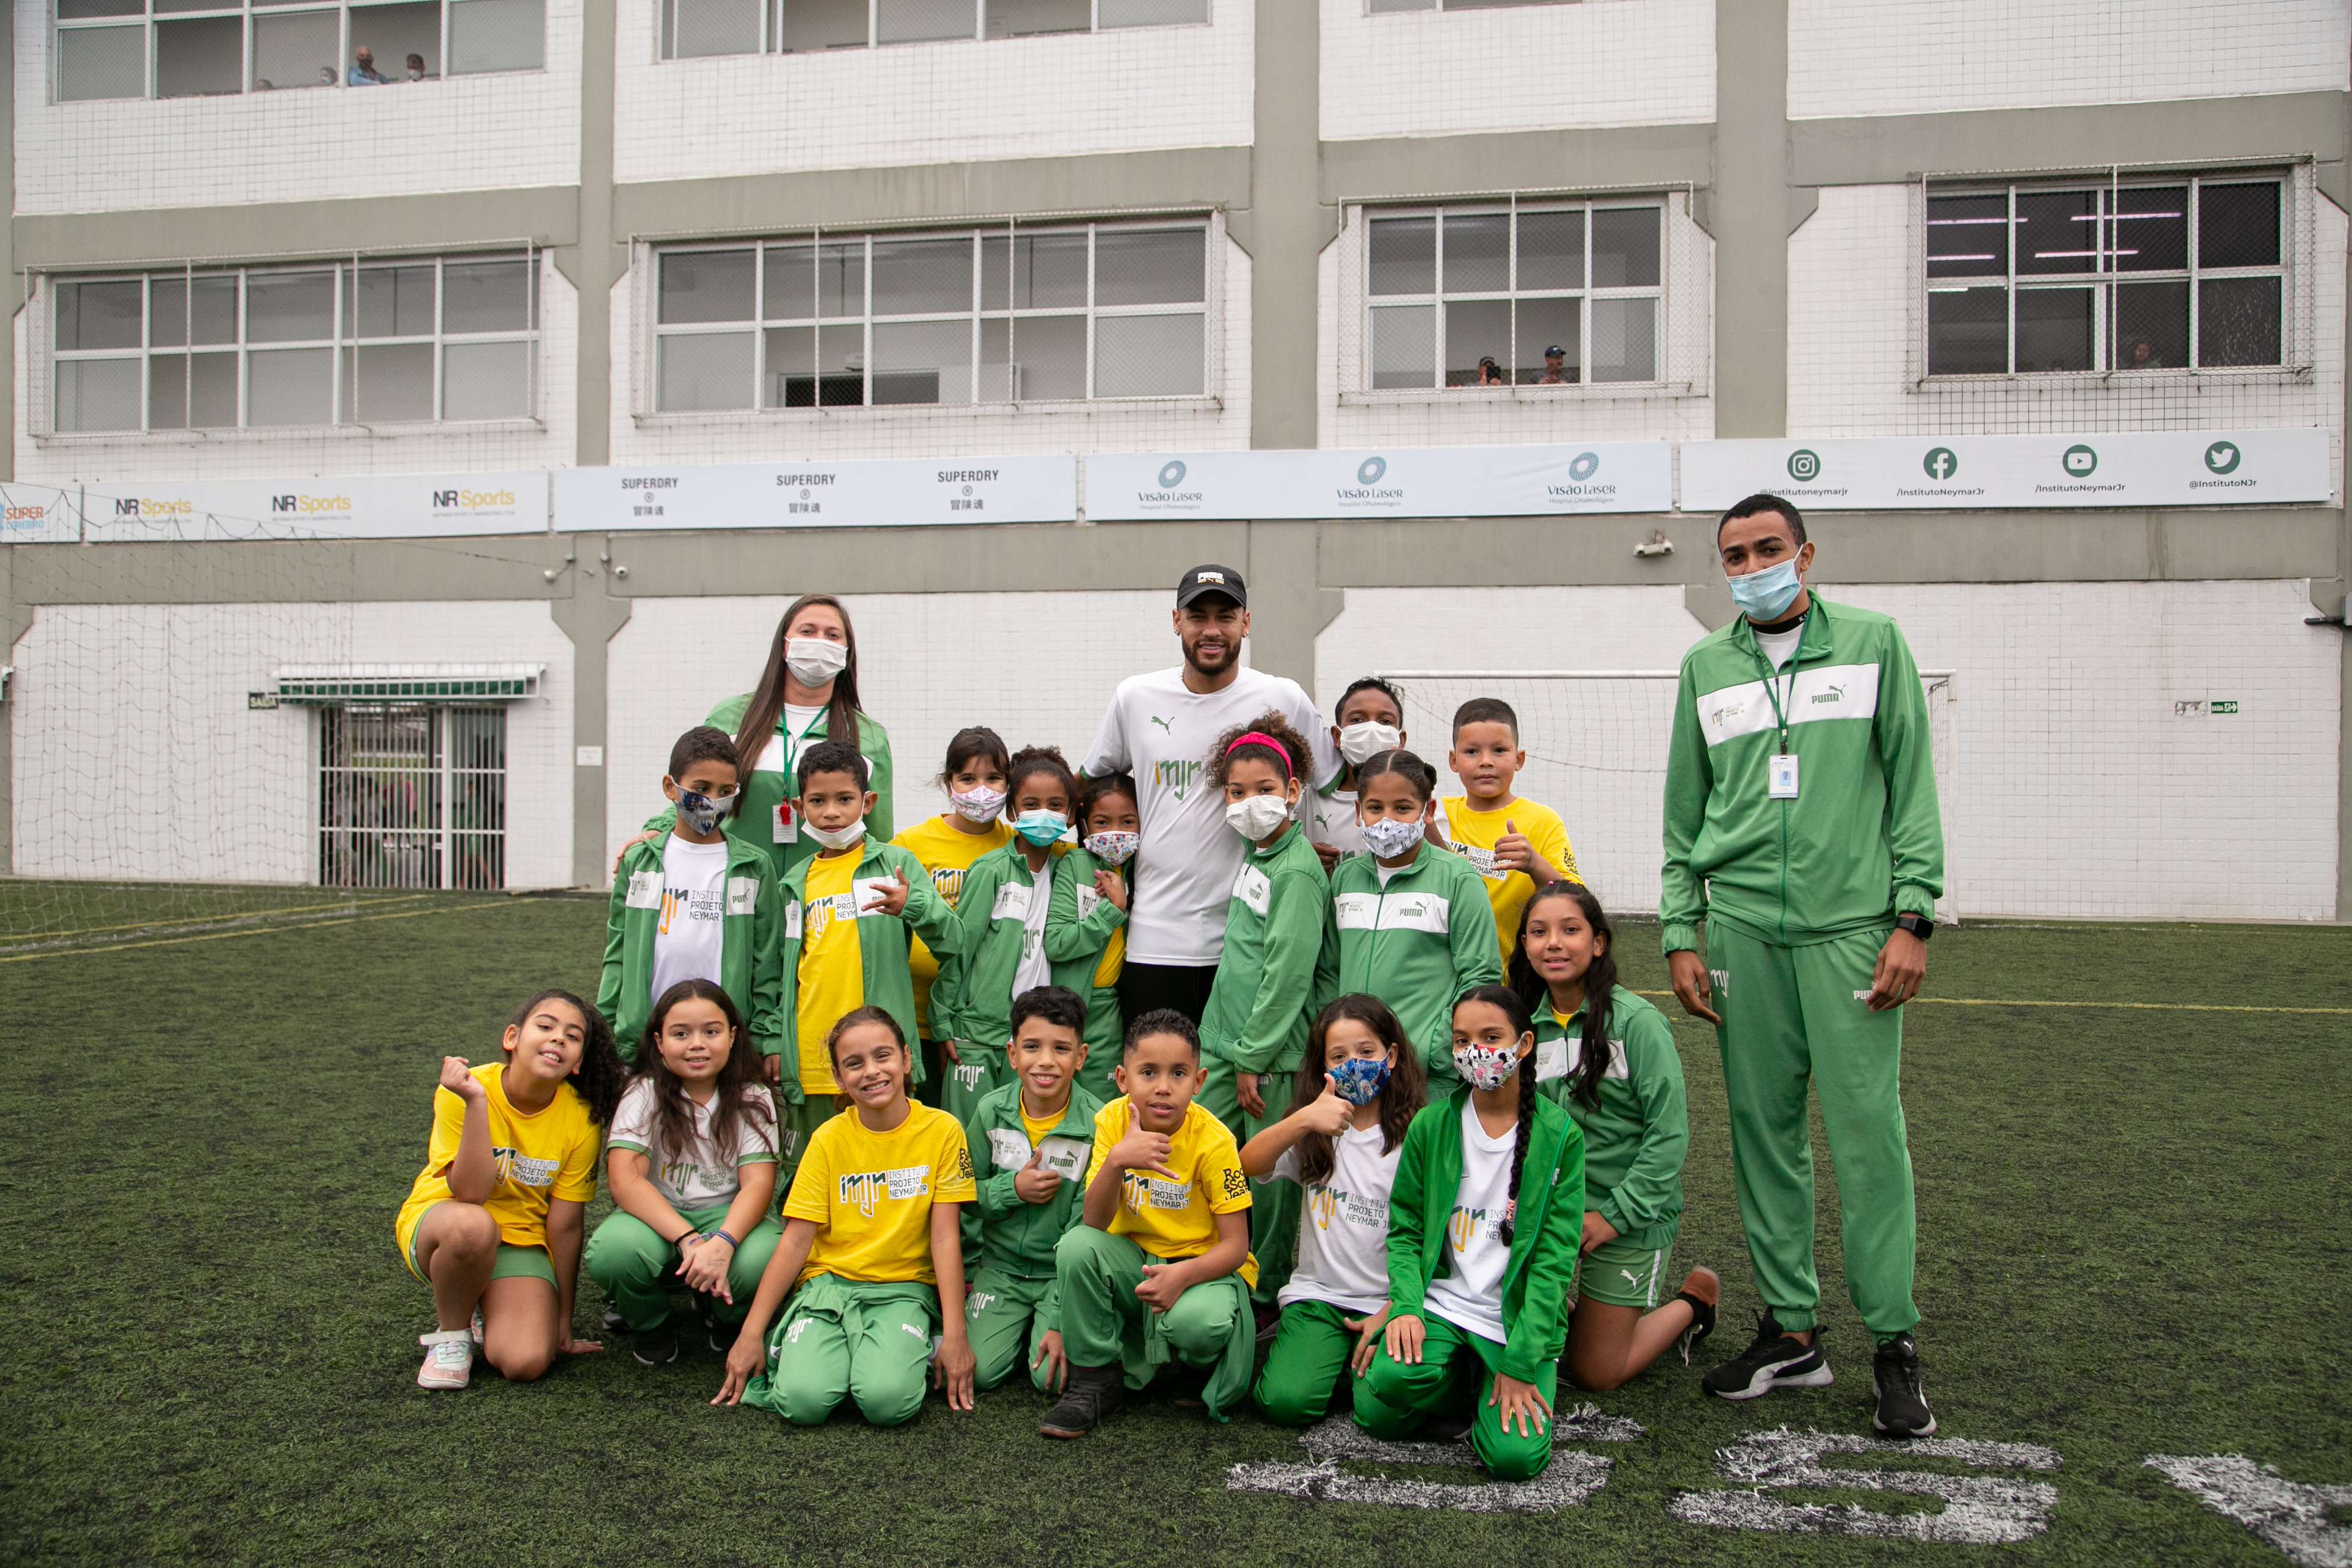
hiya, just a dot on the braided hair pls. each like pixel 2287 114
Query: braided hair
pixel 1507 1002
pixel 1600 984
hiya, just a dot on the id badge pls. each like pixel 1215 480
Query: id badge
pixel 1784 775
pixel 783 827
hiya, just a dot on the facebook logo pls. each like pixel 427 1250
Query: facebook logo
pixel 1941 463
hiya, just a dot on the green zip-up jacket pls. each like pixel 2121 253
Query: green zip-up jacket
pixel 1547 1223
pixel 881 948
pixel 1078 927
pixel 978 982
pixel 750 932
pixel 1417 943
pixel 1001 1229
pixel 1860 845
pixel 1634 1140
pixel 1272 967
pixel 753 820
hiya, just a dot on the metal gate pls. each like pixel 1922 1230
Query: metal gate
pixel 412 795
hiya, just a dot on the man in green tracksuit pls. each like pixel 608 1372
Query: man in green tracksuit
pixel 1800 825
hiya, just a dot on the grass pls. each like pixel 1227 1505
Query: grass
pixel 2133 1241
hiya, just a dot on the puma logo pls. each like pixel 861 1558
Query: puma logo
pixel 1167 724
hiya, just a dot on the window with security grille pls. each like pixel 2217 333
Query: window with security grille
pixel 412 795
pixel 691 28
pixel 1005 314
pixel 201 48
pixel 2159 275
pixel 391 342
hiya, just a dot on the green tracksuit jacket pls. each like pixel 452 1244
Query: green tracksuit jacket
pixel 1860 845
pixel 1274 965
pixel 881 949
pixel 1078 927
pixel 752 821
pixel 1548 1223
pixel 1417 943
pixel 750 932
pixel 1634 1140
pixel 1002 1230
pixel 977 981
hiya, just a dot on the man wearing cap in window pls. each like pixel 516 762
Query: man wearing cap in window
pixel 1160 728
pixel 1555 368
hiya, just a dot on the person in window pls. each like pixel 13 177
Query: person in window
pixel 1489 373
pixel 416 68
pixel 2144 357
pixel 326 76
pixel 1554 372
pixel 364 72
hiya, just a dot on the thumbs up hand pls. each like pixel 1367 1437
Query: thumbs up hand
pixel 1514 848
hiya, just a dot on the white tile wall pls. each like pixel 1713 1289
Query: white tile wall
pixel 1917 57
pixel 460 133
pixel 1117 91
pixel 1430 73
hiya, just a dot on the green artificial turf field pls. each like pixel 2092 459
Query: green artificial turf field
pixel 2133 1230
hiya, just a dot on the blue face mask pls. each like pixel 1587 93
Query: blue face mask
pixel 1359 1079
pixel 1766 595
pixel 1041 827
pixel 701 812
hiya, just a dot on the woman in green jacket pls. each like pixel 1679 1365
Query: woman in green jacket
pixel 1607 1057
pixel 1482 1247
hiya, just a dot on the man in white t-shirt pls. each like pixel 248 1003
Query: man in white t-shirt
pixel 1160 728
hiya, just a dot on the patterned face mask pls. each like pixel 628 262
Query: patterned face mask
pixel 701 812
pixel 1486 1066
pixel 1359 1079
pixel 978 806
pixel 1387 838
pixel 1113 849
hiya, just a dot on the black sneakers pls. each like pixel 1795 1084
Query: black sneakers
pixel 1094 1392
pixel 1902 1407
pixel 1777 1360
pixel 656 1346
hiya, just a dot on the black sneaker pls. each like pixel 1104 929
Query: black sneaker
pixel 614 1323
pixel 1187 1386
pixel 1777 1360
pixel 656 1346
pixel 1902 1406
pixel 1093 1393
pixel 723 1335
pixel 1450 1427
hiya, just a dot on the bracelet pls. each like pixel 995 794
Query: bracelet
pixel 721 1234
pixel 688 1239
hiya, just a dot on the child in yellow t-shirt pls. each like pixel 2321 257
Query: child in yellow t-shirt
pixel 973 778
pixel 1160 1269
pixel 493 1222
pixel 1515 844
pixel 871 1244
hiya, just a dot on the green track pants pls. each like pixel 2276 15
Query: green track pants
pixel 1457 1368
pixel 838 1339
pixel 1007 1316
pixel 1273 1206
pixel 1795 1014
pixel 964 1084
pixel 636 1268
pixel 1302 1370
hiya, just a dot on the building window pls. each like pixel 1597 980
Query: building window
pixel 2163 276
pixel 698 27
pixel 412 795
pixel 200 48
pixel 1560 293
pixel 1378 6
pixel 390 342
pixel 995 315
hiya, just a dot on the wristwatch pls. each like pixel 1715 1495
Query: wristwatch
pixel 1919 926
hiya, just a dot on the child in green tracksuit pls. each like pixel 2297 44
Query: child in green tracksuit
pixel 694 904
pixel 1253 1029
pixel 1482 1245
pixel 1112 824
pixel 1411 924
pixel 1029 1142
pixel 1607 1057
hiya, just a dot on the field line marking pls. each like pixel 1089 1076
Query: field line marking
pixel 256 931
pixel 219 919
pixel 2131 1006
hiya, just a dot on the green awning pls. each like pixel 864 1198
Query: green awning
pixel 408 682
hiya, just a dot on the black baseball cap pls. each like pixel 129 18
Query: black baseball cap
pixel 1555 352
pixel 1212 579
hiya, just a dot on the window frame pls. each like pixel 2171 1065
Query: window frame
pixel 772 30
pixel 1444 8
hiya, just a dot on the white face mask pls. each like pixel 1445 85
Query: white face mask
pixel 837 837
pixel 1359 743
pixel 1387 838
pixel 813 661
pixel 1257 816
pixel 978 805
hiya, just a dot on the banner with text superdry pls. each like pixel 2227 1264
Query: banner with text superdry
pixel 1396 481
pixel 378 506
pixel 2168 467
pixel 874 494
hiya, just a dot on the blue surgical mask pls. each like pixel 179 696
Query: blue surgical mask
pixel 1041 827
pixel 701 812
pixel 1766 595
pixel 1359 1079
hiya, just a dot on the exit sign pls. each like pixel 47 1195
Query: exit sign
pixel 2218 707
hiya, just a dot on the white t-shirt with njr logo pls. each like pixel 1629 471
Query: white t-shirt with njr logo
pixel 1162 732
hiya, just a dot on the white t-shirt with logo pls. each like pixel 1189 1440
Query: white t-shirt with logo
pixel 1035 970
pixel 1161 732
pixel 1335 821
pixel 1468 1290
pixel 1343 1224
pixel 690 923
pixel 701 1177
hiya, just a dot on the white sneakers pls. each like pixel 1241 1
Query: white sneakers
pixel 448 1359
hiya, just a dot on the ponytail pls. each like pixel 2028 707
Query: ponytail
pixel 1507 1002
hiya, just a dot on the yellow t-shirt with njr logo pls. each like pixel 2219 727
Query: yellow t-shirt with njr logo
pixel 1175 1220
pixel 871 1194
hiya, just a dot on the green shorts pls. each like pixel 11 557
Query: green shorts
pixel 512 1262
pixel 1620 1274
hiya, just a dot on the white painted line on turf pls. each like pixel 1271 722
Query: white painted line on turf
pixel 1570 1478
pixel 2290 1515
pixel 1979 1510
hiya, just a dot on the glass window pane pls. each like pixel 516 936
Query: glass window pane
pixel 1404 345
pixel 167 6
pixel 712 370
pixel 101 62
pixel 2151 326
pixel 1968 236
pixel 1048 271
pixel 1495 4
pixel 286 307
pixel 2054 329
pixel 390 381
pixel 1403 256
pixel 1377 6
pixel 1551 250
pixel 840 365
pixel 2055 233
pixel 200 58
pixel 497 36
pixel 1148 356
pixel 1148 267
pixel 2149 232
pixel 921 361
pixel 1624 340
pixel 789 378
pixel 2238 226
pixel 1023 18
pixel 292 51
pixel 394 302
pixel 1475 331
pixel 789 291
pixel 705 286
pixel 699 27
pixel 840 279
pixel 213 320
pixel 1968 331
pixel 391 33
pixel 922 277
pixel 2238 321
pixel 1624 252
pixel 822 24
pixel 1545 325
pixel 212 385
pixel 289 387
pixel 1150 13
pixel 486 297
pixel 995 360
pixel 1478 255
pixel 486 381
pixel 912 21
pixel 97 395
pixel 1049 358
pixel 98 315
pixel 78 10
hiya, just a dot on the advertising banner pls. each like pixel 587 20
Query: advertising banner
pixel 891 493
pixel 1397 481
pixel 38 514
pixel 380 506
